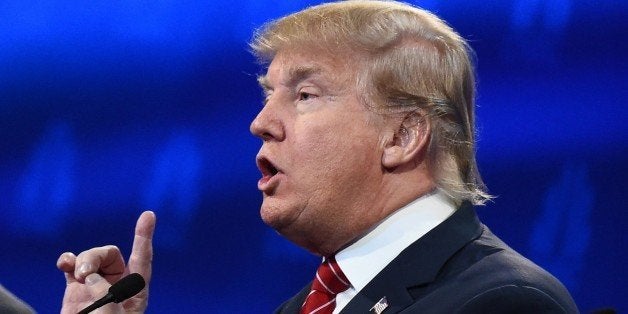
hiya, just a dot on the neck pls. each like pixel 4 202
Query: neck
pixel 395 191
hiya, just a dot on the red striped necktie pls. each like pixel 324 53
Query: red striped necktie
pixel 328 283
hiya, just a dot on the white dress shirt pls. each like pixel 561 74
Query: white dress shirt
pixel 365 258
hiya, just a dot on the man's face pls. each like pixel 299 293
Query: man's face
pixel 321 155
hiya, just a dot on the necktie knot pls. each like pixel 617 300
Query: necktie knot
pixel 329 278
pixel 329 281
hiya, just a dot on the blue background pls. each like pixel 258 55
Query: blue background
pixel 111 107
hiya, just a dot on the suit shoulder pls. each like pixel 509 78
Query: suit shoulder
pixel 488 254
pixel 490 272
pixel 514 299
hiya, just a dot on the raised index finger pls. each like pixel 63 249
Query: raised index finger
pixel 142 251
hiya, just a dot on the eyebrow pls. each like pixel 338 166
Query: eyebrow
pixel 296 74
pixel 262 80
pixel 302 72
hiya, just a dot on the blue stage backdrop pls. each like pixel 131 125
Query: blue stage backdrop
pixel 111 107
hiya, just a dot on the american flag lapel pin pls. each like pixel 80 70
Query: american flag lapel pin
pixel 380 306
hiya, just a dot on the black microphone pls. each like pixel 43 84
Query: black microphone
pixel 120 291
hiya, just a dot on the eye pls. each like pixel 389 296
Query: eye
pixel 305 96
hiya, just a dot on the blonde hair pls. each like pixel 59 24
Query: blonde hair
pixel 412 62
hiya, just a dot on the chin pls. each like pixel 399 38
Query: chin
pixel 294 230
pixel 275 217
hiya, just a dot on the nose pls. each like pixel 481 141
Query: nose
pixel 267 125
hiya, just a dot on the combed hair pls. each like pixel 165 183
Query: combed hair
pixel 412 61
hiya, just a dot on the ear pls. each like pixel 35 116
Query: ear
pixel 409 140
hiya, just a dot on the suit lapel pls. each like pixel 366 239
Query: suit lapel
pixel 293 305
pixel 418 264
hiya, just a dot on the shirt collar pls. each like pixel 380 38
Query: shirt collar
pixel 365 258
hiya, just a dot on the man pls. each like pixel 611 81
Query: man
pixel 368 160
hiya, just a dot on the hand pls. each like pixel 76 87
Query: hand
pixel 90 274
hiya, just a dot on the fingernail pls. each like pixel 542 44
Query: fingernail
pixel 85 268
pixel 92 279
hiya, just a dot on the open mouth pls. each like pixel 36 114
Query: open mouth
pixel 270 179
pixel 266 167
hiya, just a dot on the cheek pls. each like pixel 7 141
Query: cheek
pixel 333 152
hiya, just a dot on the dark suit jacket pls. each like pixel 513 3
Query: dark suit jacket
pixel 458 267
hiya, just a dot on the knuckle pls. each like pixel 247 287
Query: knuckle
pixel 112 249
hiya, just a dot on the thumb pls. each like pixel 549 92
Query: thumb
pixel 97 286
